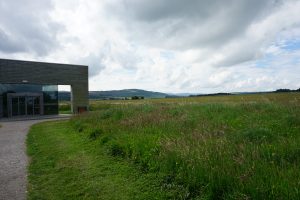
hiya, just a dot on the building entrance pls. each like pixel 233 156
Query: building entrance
pixel 23 104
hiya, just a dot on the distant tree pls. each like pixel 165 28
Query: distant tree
pixel 283 90
pixel 134 97
pixel 137 97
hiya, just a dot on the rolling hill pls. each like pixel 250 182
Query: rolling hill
pixel 116 94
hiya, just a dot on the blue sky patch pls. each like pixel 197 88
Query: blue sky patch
pixel 266 61
pixel 291 45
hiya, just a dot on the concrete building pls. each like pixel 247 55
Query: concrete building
pixel 31 88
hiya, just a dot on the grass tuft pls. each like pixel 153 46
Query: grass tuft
pixel 95 133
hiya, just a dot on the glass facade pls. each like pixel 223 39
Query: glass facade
pixel 28 99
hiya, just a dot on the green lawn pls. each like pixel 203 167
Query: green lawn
pixel 230 147
pixel 66 165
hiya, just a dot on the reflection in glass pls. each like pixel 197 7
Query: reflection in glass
pixel 22 109
pixel 29 106
pixel 25 102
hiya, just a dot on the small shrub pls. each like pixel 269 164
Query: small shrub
pixel 94 134
pixel 116 149
pixel 106 139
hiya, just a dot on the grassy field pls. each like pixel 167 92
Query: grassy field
pixel 64 107
pixel 224 147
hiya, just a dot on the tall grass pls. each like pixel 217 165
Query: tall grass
pixel 241 149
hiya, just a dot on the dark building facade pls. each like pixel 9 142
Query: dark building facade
pixel 31 88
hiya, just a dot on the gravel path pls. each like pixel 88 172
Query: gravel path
pixel 13 158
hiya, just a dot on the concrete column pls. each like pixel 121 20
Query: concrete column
pixel 79 96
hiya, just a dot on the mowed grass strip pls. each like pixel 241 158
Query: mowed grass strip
pixel 66 165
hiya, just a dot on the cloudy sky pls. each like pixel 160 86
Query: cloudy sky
pixel 198 46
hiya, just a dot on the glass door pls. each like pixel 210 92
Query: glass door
pixel 22 106
pixel 15 106
pixel 33 105
pixel 30 105
pixel 36 106
pixel 25 104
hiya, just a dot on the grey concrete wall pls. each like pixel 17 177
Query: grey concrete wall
pixel 16 71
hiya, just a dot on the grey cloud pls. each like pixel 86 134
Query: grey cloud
pixel 7 45
pixel 236 59
pixel 178 24
pixel 95 63
pixel 126 57
pixel 243 52
pixel 25 26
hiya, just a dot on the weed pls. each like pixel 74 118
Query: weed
pixel 95 133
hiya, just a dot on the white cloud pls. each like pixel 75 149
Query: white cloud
pixel 27 27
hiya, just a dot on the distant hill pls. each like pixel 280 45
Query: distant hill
pixel 125 93
pixel 181 94
pixel 212 94
pixel 116 94
pixel 128 93
pixel 237 93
